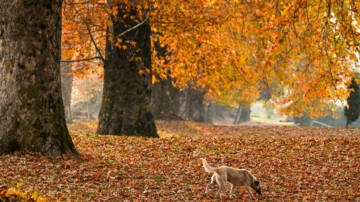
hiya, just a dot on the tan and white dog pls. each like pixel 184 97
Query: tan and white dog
pixel 237 177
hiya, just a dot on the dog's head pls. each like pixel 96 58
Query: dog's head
pixel 256 186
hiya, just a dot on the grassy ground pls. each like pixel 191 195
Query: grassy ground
pixel 292 163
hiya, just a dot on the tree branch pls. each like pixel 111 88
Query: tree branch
pixel 85 59
pixel 91 36
pixel 138 25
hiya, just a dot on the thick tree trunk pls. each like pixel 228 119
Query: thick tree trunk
pixel 125 106
pixel 31 109
pixel 66 86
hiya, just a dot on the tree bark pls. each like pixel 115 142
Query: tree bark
pixel 125 106
pixel 31 107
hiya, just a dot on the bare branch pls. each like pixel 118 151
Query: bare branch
pixel 138 25
pixel 84 59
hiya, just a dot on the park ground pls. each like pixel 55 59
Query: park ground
pixel 292 163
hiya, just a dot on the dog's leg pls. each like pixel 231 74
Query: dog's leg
pixel 222 183
pixel 232 190
pixel 249 191
pixel 221 186
pixel 213 182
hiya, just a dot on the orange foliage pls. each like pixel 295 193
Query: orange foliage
pixel 83 36
pixel 304 52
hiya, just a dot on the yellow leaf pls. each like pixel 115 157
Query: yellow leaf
pixel 35 194
pixel 133 43
pixel 115 10
pixel 19 184
pixel 110 23
pixel 163 76
pixel 108 10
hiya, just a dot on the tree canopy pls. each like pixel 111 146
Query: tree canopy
pixel 303 52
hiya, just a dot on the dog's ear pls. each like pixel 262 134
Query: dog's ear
pixel 256 183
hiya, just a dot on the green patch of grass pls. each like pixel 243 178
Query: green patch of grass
pixel 121 171
pixel 142 168
pixel 121 153
pixel 157 179
pixel 110 161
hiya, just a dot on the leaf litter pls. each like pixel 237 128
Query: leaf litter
pixel 292 163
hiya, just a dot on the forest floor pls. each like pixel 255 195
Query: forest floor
pixel 292 163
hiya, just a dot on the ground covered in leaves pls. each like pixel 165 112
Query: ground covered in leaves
pixel 292 163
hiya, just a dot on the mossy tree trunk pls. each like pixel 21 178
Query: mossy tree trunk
pixel 125 106
pixel 31 107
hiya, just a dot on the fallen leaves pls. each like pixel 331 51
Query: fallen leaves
pixel 292 163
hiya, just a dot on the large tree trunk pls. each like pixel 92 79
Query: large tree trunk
pixel 66 86
pixel 125 106
pixel 31 107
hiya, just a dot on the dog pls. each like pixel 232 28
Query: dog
pixel 237 177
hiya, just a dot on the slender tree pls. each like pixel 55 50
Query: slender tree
pixel 31 107
pixel 125 106
pixel 352 111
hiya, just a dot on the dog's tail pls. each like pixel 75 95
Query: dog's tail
pixel 207 167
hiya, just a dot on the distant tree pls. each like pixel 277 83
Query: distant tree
pixel 352 111
pixel 243 113
pixel 66 87
pixel 303 120
pixel 31 107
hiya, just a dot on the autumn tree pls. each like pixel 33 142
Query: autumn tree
pixel 31 109
pixel 352 111
pixel 302 51
pixel 300 47
pixel 125 106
